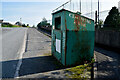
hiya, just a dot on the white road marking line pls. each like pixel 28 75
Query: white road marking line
pixel 21 51
pixel 95 66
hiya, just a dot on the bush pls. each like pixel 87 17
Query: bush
pixel 113 18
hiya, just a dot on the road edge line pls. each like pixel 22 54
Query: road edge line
pixel 95 66
pixel 21 51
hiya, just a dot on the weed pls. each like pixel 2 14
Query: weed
pixel 81 71
pixel 47 54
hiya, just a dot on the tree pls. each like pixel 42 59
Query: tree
pixel 23 25
pixel 118 21
pixel 112 20
pixel 43 23
pixel 18 23
pixel 27 24
pixel 44 20
pixel 100 23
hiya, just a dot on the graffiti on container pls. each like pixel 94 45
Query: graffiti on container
pixel 80 21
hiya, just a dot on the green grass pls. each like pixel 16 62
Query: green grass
pixel 78 71
pixel 10 26
pixel 81 71
pixel 47 54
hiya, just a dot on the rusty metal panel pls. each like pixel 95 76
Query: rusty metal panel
pixel 76 36
pixel 80 38
pixel 58 37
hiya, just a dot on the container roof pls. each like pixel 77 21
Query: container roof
pixel 71 12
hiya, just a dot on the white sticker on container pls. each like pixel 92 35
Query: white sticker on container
pixel 53 27
pixel 58 45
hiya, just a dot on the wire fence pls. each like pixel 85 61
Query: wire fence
pixel 102 15
pixel 88 7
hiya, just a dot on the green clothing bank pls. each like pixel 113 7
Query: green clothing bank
pixel 72 37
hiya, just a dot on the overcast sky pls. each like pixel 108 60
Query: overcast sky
pixel 32 11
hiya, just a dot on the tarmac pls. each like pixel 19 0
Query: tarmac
pixel 37 61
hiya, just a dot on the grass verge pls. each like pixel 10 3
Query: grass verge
pixel 81 71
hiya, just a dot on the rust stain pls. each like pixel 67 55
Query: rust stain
pixel 76 30
pixel 77 21
pixel 67 29
pixel 80 21
pixel 65 24
pixel 65 39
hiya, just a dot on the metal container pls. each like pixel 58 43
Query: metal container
pixel 72 37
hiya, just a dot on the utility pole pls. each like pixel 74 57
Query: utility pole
pixel 98 13
pixel 21 21
pixel 70 4
pixel 96 17
pixel 80 6
pixel 73 6
pixel 91 9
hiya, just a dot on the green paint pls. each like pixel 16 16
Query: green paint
pixel 76 35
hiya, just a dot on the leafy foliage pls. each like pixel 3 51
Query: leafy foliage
pixel 23 25
pixel 43 23
pixel 8 25
pixel 113 19
pixel 100 24
pixel 18 23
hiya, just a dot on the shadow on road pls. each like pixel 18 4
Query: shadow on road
pixel 31 65
pixel 108 64
pixel 38 65
pixel 107 52
pixel 8 68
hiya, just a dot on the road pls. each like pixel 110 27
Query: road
pixel 34 62
pixel 35 59
pixel 108 64
pixel 12 40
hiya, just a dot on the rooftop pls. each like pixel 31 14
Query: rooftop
pixel 1 21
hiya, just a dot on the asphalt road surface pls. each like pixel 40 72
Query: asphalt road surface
pixel 37 46
pixel 36 58
pixel 12 40
pixel 108 64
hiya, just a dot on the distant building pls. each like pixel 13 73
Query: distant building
pixel 1 21
pixel 6 23
pixel 18 23
pixel 119 6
